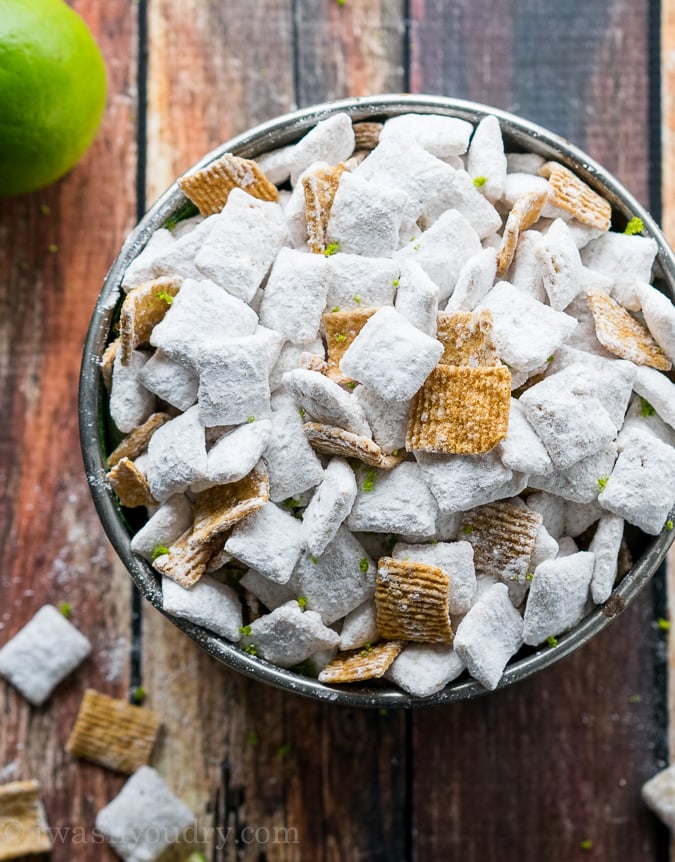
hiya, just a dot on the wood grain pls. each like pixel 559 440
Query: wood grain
pixel 55 247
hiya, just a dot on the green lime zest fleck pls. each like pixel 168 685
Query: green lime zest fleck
pixel 138 694
pixel 332 249
pixel 663 624
pixel 635 225
pixel 552 641
pixel 159 551
pixel 479 181
pixel 335 309
pixel 314 559
pixel 366 651
pixel 369 481
pixel 434 541
pixel 250 419
pixel 363 565
pixel 357 298
pixel 251 649
pixel 302 601
pixel 197 857
pixel 44 209
pixel 550 358
pixel 352 384
pixel 301 411
pixel 634 698
pixel 165 296
pixel 417 247
pixel 586 844
pixel 646 408
pixel 340 337
pixel 253 738
pixel 245 630
pixel 529 576
pixel 395 282
pixel 602 481
pixel 283 749
pixel 467 529
pixel 66 609
pixel 52 247
pixel 669 526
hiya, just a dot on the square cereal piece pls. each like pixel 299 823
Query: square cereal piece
pixel 460 410
pixel 519 183
pixel 330 141
pixel 293 356
pixel 130 822
pixel 41 654
pixel 552 510
pixel 411 600
pixel 526 271
pixel 360 627
pixel 391 356
pixel 466 338
pixel 366 135
pixel 295 295
pixel 476 208
pixel 489 635
pixel 326 402
pixel 659 315
pixel 338 581
pixel 270 541
pixel 135 443
pixel 341 329
pixel 659 795
pixel 23 821
pixel 242 244
pixel 331 504
pixel 208 603
pixel 143 308
pixel 625 259
pixel 568 192
pixel 557 598
pixel 289 635
pixel 202 307
pixel 460 482
pixel 292 465
pixel 130 402
pixel 233 381
pixel 605 545
pixel 178 259
pixel 236 453
pixel 320 187
pixel 130 484
pixel 174 382
pixel 583 481
pixel 334 441
pixel 371 662
pixel 474 281
pixel 545 548
pixel 113 733
pixel 560 263
pixel 388 420
pixel 209 188
pixel 486 160
pixel 424 669
pixel 142 267
pixel 177 455
pixel 271 594
pixel 525 331
pixel 417 297
pixel 393 501
pixel 167 524
pixel 439 136
pixel 521 449
pixel 523 215
pixel 360 282
pixel 641 487
pixel 359 203
pixel 443 249
pixel 453 558
pixel 621 334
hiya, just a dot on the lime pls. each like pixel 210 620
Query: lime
pixel 52 92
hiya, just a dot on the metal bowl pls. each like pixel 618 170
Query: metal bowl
pixel 519 135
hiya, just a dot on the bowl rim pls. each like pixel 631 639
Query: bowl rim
pixel 269 135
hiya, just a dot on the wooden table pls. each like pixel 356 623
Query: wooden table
pixel 526 774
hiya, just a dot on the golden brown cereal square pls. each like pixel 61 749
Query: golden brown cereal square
pixel 341 329
pixel 466 338
pixel 210 187
pixel 336 441
pixel 135 443
pixel 621 334
pixel 369 662
pixel 143 308
pixel 569 193
pixel 523 215
pixel 320 188
pixel 23 823
pixel 130 484
pixel 366 135
pixel 411 601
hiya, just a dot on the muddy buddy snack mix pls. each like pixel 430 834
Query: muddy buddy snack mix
pixel 389 396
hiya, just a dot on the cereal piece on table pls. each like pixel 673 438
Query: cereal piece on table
pixel 23 821
pixel 503 536
pixel 237 452
pixel 474 281
pixel 288 635
pixel 209 188
pixel 393 501
pixel 360 627
pixel 341 328
pixel 525 331
pixel 328 508
pixel 130 402
pixel 130 823
pixel 326 402
pixel 460 410
pixel 177 455
pixel 113 733
pixel 371 662
pixel 557 597
pixel 523 215
pixel 623 258
pixel 388 420
pixel 391 356
pixel 552 510
pixel 295 295
pixel 338 581
pixel 242 244
pixel 439 136
pixel 208 603
pixel 568 417
pixel 42 653
pixel 561 265
pixel 417 297
pixel 292 356
pixel 605 544
pixel 460 482
pixel 489 635
pixel 275 164
pixel 424 669
pixel 144 307
pixel 568 192
pixel 524 162
pixel 526 271
pixel 292 465
pixel 233 382
pixel 519 183
pixel 320 188
pixel 173 382
pixel 623 336
pixel 582 481
pixel 142 267
pixel 270 541
pixel 137 441
pixel 521 449
pixel 366 135
pixel 331 141
pixel 130 484
pixel 659 795
pixel 107 363
pixel 659 314
pixel 545 548
pixel 658 391
pixel 366 217
pixel 443 249
pixel 641 487
pixel 486 158
pixel 167 525
pixel 453 558
pixel 466 338
pixel 202 307
pixel 360 282
pixel 271 594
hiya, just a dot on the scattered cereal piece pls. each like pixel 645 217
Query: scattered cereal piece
pixel 467 338
pixel 523 215
pixel 388 420
pixel 130 484
pixel 521 449
pixel 439 136
pixel 605 544
pixel 460 482
pixel 622 335
pixel 417 297
pixel 210 187
pixel 291 462
pixel 331 141
pixel 331 504
pixel 411 599
pixel 137 441
pixel 108 362
pixel 659 795
pixel 486 157
pixel 275 164
pixel 325 401
pixel 269 540
pixel 581 482
pixel 335 441
pixel 130 402
pixel 366 663
pixel 424 669
pixel 289 635
pixel 320 187
pixel 166 525
pixel 474 281
pixel 23 821
pixel 569 193
pixel 236 453
pixel 208 603
pixel 360 627
pixel 142 267
pixel 658 391
pixel 295 294
pixel 177 455
pixel 174 382
pixel 352 277
pixel 625 259
pixel 557 597
pixel 453 558
pixel 342 327
pixel 143 308
pixel 560 264
pixel 271 594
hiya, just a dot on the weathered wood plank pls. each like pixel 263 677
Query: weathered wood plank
pixel 533 772
pixel 293 779
pixel 55 247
